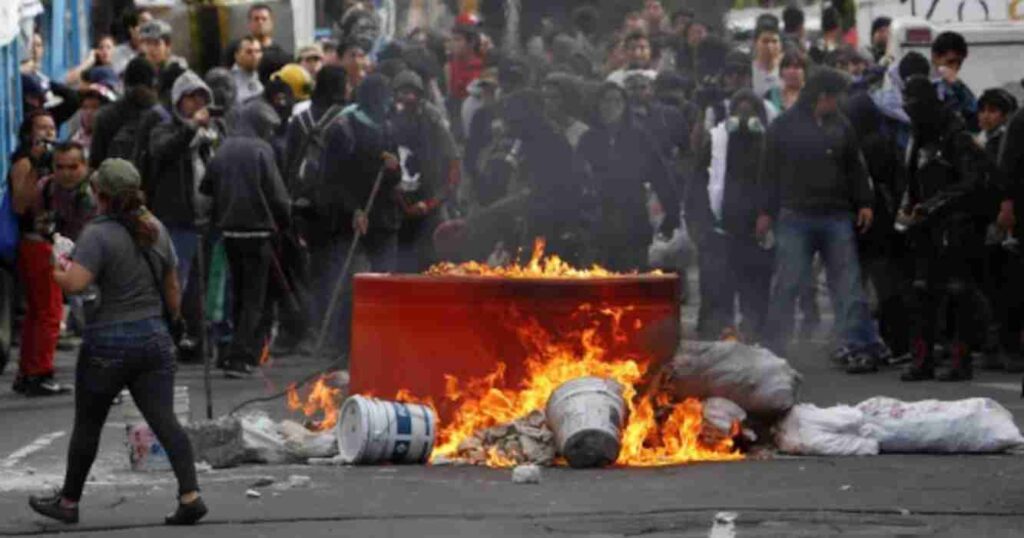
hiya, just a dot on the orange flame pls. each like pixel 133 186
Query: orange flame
pixel 321 405
pixel 650 437
pixel 539 266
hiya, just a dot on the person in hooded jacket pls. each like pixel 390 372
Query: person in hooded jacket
pixel 731 261
pixel 358 153
pixel 140 97
pixel 940 213
pixel 618 156
pixel 179 150
pixel 430 171
pixel 817 195
pixel 250 205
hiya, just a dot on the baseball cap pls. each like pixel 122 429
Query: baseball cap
pixel 117 176
pixel 155 29
pixel 310 50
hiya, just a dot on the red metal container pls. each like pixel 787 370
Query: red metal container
pixel 410 330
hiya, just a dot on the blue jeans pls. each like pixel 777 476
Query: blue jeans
pixel 138 355
pixel 186 241
pixel 799 236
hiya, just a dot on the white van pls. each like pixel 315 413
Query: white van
pixel 995 49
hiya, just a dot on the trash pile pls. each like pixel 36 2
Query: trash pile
pixel 741 396
pixel 527 440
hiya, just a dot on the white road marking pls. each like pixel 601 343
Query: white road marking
pixel 35 446
pixel 1009 387
pixel 724 525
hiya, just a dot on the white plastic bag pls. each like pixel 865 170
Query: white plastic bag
pixel 672 254
pixel 752 377
pixel 304 444
pixel 262 441
pixel 810 430
pixel 977 425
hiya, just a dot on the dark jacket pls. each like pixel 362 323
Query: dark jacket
pixel 171 185
pixel 949 177
pixel 617 162
pixel 112 117
pixel 243 179
pixel 812 168
pixel 741 195
pixel 352 161
pixel 1011 164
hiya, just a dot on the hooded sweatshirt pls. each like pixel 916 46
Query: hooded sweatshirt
pixel 249 196
pixel 180 150
pixel 810 166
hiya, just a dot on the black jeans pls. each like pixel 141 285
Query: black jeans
pixel 138 355
pixel 732 267
pixel 250 261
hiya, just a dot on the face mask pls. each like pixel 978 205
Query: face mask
pixel 751 125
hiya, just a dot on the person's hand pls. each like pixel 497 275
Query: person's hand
pixel 865 217
pixel 91 59
pixel 419 209
pixel 391 162
pixel 763 226
pixel 202 117
pixel 1006 220
pixel 360 222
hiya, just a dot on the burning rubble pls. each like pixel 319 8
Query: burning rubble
pixel 500 423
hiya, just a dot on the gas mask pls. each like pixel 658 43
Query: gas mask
pixel 738 124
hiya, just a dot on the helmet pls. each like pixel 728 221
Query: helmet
pixel 300 81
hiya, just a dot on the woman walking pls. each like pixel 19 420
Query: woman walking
pixel 128 254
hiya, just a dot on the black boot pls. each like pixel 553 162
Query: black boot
pixel 51 508
pixel 187 514
pixel 922 366
pixel 961 366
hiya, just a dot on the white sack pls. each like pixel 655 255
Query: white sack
pixel 974 425
pixel 834 431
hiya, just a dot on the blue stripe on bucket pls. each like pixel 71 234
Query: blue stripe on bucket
pixel 403 420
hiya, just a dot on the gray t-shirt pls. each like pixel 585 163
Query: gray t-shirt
pixel 127 290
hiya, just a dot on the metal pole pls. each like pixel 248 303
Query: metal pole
pixel 204 327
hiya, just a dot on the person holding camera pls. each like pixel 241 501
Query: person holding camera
pixel 944 215
pixel 40 329
pixel 127 253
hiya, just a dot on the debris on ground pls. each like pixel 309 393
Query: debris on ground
pixel 525 440
pixel 302 443
pixel 719 417
pixel 255 438
pixel 526 474
pixel 253 494
pixel 263 482
pixel 296 481
pixel 975 425
pixel 834 431
pixel 202 467
pixel 752 377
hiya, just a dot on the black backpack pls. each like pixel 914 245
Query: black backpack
pixel 306 178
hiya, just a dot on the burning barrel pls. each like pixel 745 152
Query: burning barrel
pixel 411 333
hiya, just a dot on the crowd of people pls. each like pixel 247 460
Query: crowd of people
pixel 778 158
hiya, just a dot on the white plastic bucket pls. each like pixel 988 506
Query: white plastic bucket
pixel 145 453
pixel 586 415
pixel 379 431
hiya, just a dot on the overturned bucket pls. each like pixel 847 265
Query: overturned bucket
pixel 380 431
pixel 586 415
pixel 145 453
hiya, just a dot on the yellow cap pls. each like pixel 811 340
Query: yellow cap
pixel 300 81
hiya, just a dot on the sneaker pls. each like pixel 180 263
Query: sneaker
pixel 841 356
pixel 861 362
pixel 881 353
pixel 237 370
pixel 901 359
pixel 52 508
pixel 187 514
pixel 44 386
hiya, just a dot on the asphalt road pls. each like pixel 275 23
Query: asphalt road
pixel 892 495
